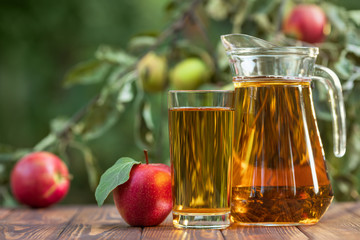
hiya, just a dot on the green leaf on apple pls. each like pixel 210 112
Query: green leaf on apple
pixel 116 175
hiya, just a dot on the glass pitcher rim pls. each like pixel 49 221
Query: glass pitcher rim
pixel 274 50
pixel 201 91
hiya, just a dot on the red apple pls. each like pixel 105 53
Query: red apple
pixel 40 179
pixel 306 22
pixel 145 199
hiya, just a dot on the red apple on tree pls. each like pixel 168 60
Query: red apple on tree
pixel 39 179
pixel 142 193
pixel 306 22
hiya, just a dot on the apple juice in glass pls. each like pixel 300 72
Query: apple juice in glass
pixel 200 129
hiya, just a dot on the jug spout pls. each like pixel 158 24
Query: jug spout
pixel 253 57
pixel 236 41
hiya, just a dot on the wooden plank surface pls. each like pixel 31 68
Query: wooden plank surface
pixel 4 213
pixel 167 231
pixel 92 222
pixel 49 216
pixel 237 232
pixel 342 221
pixel 27 223
pixel 337 223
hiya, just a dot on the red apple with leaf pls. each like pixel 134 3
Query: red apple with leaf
pixel 306 22
pixel 141 192
pixel 39 179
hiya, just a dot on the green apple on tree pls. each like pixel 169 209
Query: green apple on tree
pixel 189 74
pixel 152 71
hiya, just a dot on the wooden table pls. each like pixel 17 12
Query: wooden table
pixel 342 221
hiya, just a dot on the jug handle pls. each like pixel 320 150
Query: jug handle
pixel 332 83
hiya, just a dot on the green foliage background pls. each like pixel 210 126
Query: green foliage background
pixel 68 82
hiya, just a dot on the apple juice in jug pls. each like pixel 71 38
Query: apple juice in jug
pixel 279 172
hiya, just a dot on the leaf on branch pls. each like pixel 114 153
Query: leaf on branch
pixel 144 126
pixel 6 199
pixel 58 124
pixel 353 49
pixel 146 114
pixel 263 22
pixel 141 43
pixel 116 175
pixel 89 72
pixel 355 16
pixel 113 84
pixel 125 90
pixel 11 154
pixel 105 112
pixel 100 118
pixel 353 97
pixel 126 95
pixel 337 16
pixel 108 54
pixel 344 66
pixel 242 10
pixel 90 163
pixel 353 149
pixel 46 142
pixel 265 7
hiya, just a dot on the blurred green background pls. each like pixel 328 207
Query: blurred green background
pixel 40 41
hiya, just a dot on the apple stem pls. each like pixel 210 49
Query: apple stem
pixel 146 156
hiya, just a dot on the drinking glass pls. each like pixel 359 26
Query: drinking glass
pixel 201 131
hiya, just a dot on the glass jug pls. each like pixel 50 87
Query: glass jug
pixel 279 171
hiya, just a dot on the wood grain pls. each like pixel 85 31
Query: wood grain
pixel 4 213
pixel 342 221
pixel 166 231
pixel 35 223
pixel 17 231
pixel 255 232
pixel 93 222
pixel 352 207
pixel 47 216
pixel 157 233
pixel 337 223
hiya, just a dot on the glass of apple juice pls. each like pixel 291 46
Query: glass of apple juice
pixel 201 132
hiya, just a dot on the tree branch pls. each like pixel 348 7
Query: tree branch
pixel 168 32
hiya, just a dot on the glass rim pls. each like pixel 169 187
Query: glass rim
pixel 200 91
pixel 308 51
pixel 233 45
